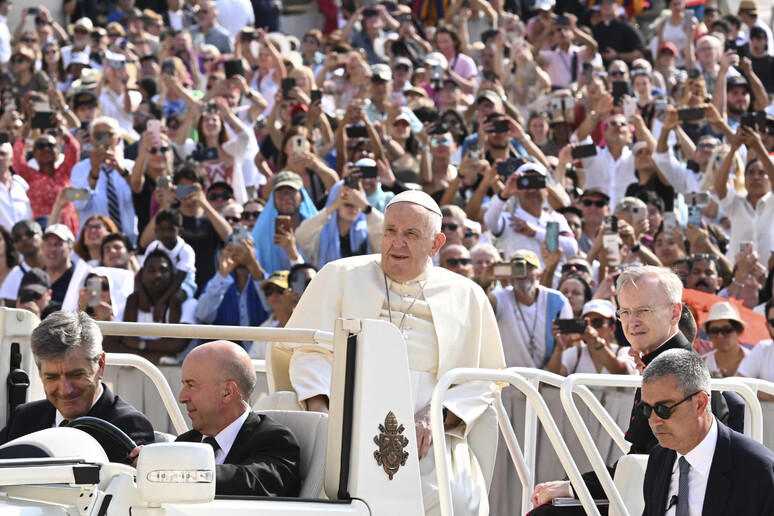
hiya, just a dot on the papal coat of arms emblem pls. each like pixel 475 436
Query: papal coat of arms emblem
pixel 391 443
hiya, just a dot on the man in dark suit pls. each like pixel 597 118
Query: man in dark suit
pixel 253 454
pixel 700 465
pixel 650 312
pixel 67 348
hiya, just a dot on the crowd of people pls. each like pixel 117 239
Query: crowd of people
pixel 186 162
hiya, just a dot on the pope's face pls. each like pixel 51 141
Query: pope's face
pixel 409 241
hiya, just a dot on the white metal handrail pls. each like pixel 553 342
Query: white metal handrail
pixel 158 379
pixel 443 460
pixel 578 383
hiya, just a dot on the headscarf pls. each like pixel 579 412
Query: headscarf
pixel 263 232
pixel 330 241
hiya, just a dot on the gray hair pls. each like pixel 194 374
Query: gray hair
pixel 670 282
pixel 107 120
pixel 60 332
pixel 484 248
pixel 630 205
pixel 685 365
pixel 243 376
pixel 450 210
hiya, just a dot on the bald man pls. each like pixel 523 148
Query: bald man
pixel 456 258
pixel 253 454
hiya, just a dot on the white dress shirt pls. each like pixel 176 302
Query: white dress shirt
pixel 58 417
pixel 610 174
pixel 682 179
pixel 750 224
pixel 5 40
pixel 700 459
pixel 227 436
pixel 176 19
pixel 14 203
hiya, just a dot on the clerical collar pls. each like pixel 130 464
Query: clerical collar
pixel 58 418
pixel 649 357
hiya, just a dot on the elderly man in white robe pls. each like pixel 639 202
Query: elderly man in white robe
pixel 446 322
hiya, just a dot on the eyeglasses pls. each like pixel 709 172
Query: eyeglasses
pixel 452 121
pixel 616 123
pixel 231 220
pixel 80 31
pixel 639 313
pixel 215 196
pixel 247 215
pixel 173 124
pixel 208 59
pixel 156 150
pixel 721 330
pixel 617 73
pixel 450 227
pixel 270 291
pixel 436 142
pixel 589 203
pixel 579 267
pixel 598 322
pixel 18 237
pixel 17 60
pixel 661 411
pixel 456 262
pixel 45 145
pixel 94 227
pixel 702 256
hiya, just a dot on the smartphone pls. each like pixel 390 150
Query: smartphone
pixel 730 44
pixel 211 108
pixel 316 95
pixel 694 215
pixel 43 120
pixel 474 152
pixel 506 168
pixel 638 215
pixel 687 115
pixel 357 131
pixel 299 283
pixel 282 223
pixel 353 179
pixel 436 77
pixel 500 126
pixel 610 243
pixel 120 65
pixel 102 140
pixel 531 181
pixel 584 151
pixel 25 296
pixel 575 325
pixel 298 144
pixel 238 234
pixel 197 39
pixel 368 172
pixel 514 269
pixel 33 11
pixel 611 224
pixel 697 198
pixel 754 118
pixel 743 246
pixel 552 236
pixel 164 182
pixel 183 191
pixel 233 67
pixel 154 128
pixel 168 68
pixel 288 84
pixel 94 286
pixel 688 19
pixel 4 138
pixel 77 194
pixel 620 88
pixel 629 108
pixel 660 105
pixel 588 70
pixel 670 219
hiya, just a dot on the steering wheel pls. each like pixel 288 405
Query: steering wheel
pixel 109 429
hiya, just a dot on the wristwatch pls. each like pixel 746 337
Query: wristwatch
pixel 368 209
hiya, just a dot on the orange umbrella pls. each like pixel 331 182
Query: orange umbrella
pixel 700 304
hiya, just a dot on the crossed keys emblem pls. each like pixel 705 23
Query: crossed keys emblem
pixel 391 443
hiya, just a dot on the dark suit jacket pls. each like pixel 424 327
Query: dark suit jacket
pixel 39 415
pixel 263 461
pixel 189 18
pixel 740 482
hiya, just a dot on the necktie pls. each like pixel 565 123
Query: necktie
pixel 113 209
pixel 212 442
pixel 682 488
pixel 64 422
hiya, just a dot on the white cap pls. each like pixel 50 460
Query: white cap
pixel 545 5
pixel 417 197
pixel 602 307
pixel 436 58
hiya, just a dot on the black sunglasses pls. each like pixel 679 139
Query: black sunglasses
pixel 156 150
pixel 250 215
pixel 454 262
pixel 17 237
pixel 45 145
pixel 725 330
pixel 450 227
pixel 599 204
pixel 568 267
pixel 231 220
pixel 661 411
pixel 215 196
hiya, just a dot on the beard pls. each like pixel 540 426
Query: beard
pixel 525 287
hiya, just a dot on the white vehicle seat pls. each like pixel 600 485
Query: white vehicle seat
pixel 278 367
pixel 55 442
pixel 311 430
pixel 629 478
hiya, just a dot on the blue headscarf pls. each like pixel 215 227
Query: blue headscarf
pixel 263 232
pixel 330 242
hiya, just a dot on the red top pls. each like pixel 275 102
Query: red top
pixel 43 190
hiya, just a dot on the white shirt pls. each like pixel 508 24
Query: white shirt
pixel 750 224
pixel 175 19
pixel 182 256
pixel 558 64
pixel 233 15
pixel 5 40
pixel 759 363
pixel 610 174
pixel 112 105
pixel 14 204
pixel 58 418
pixel 769 36
pixel 227 436
pixel 700 459
pixel 683 180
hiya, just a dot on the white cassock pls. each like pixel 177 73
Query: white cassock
pixel 449 323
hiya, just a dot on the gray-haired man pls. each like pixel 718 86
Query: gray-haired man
pixel 67 348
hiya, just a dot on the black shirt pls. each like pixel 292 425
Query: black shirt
pixel 619 35
pixel 764 69
pixel 199 233
pixel 59 287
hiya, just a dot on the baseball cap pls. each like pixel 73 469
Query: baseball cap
pixel 638 146
pixel 277 279
pixel 405 61
pixel 668 45
pixel 287 178
pixel 737 80
pixel 401 117
pixel 85 23
pixel 491 96
pixel 365 162
pixel 61 231
pixel 602 307
pixel 545 5
pixel 36 280
pixel 84 98
pixel 80 58
pixel 526 168
pixel 595 190
pixel 381 72
pixel 528 256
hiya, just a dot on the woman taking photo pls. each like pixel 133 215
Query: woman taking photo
pixel 318 177
pixel 53 65
pixel 436 170
pixel 155 160
pixel 89 244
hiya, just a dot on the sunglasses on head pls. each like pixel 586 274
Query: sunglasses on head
pixel 156 150
pixel 589 203
pixel 455 262
pixel 215 196
pixel 45 145
pixel 703 256
pixel 661 411
pixel 721 330
pixel 247 215
pixel 567 267
pixel 17 237
pixel 450 226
